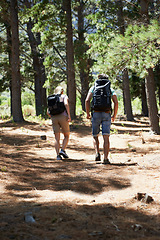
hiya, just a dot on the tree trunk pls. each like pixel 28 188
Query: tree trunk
pixel 126 88
pixel 157 76
pixel 127 96
pixel 71 85
pixel 9 50
pixel 124 108
pixel 83 61
pixel 152 104
pixel 144 11
pixel 39 71
pixel 159 95
pixel 42 76
pixel 144 101
pixel 15 65
pixel 149 80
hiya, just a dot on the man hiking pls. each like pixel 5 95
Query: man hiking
pixel 102 96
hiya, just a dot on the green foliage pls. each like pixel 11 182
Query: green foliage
pixel 78 106
pixel 4 68
pixel 39 119
pixel 138 50
pixel 136 106
pixel 120 105
pixel 4 100
pixel 3 169
pixel 48 19
pixel 28 98
pixel 51 21
pixel 114 131
pixel 4 106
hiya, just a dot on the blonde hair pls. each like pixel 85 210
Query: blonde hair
pixel 58 90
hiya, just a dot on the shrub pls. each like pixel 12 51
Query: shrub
pixel 28 110
pixel 28 98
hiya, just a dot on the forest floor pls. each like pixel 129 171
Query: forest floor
pixel 77 198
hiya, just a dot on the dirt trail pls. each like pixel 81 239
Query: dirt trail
pixel 77 198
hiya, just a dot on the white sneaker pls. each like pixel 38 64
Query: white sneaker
pixel 63 154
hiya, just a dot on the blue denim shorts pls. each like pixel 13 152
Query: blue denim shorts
pixel 101 119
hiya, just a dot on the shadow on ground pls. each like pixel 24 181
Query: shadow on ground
pixel 24 170
pixel 68 221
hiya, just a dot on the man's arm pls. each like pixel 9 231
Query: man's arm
pixel 115 110
pixel 87 104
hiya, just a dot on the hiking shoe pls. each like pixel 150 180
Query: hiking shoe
pixel 106 161
pixel 98 157
pixel 63 154
pixel 59 157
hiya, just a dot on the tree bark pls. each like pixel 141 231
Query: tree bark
pixel 152 103
pixel 127 96
pixel 157 77
pixel 83 61
pixel 159 95
pixel 39 71
pixel 15 65
pixel 71 85
pixel 126 87
pixel 144 11
pixel 149 80
pixel 9 50
pixel 144 101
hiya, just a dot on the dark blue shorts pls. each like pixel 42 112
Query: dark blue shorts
pixel 101 119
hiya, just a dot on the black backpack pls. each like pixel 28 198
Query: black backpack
pixel 55 106
pixel 102 96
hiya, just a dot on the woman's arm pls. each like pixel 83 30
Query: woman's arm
pixel 48 113
pixel 66 103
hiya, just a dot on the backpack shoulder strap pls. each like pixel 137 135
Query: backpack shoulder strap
pixel 102 86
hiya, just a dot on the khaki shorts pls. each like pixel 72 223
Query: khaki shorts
pixel 59 122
